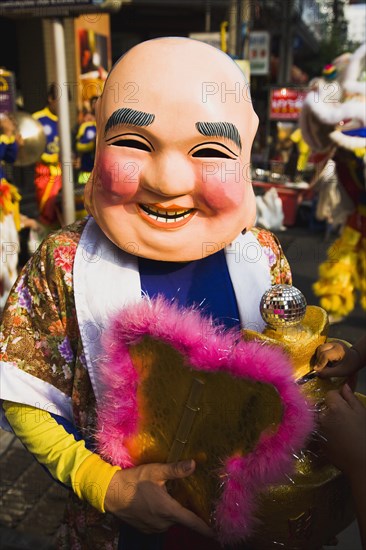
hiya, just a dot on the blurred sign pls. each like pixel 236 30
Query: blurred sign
pixel 44 8
pixel 244 66
pixel 286 103
pixel 259 52
pixel 211 38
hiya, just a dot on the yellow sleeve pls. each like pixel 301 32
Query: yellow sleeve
pixel 66 459
pixel 8 140
pixel 50 158
pixel 85 147
pixel 82 147
pixel 296 136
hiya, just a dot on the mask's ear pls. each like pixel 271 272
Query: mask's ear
pixel 97 109
pixel 88 193
pixel 255 124
pixel 98 117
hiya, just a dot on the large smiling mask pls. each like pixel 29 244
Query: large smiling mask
pixel 175 127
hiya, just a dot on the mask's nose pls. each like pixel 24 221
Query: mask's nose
pixel 169 175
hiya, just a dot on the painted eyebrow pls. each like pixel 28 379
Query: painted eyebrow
pixel 220 129
pixel 128 116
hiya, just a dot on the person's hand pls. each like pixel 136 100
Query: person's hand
pixel 336 359
pixel 19 139
pixel 139 497
pixel 29 222
pixel 343 424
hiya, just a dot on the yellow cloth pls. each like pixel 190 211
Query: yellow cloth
pixel 65 458
pixel 303 149
pixel 341 275
pixel 84 147
pixel 51 158
pixel 7 139
pixel 9 202
pixel 83 177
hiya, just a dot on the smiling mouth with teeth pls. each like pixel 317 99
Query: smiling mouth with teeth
pixel 167 218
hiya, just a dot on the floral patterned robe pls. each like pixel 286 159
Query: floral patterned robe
pixel 40 335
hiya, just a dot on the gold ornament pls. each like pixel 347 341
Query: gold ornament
pixel 312 507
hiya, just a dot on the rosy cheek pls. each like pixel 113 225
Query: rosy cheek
pixel 118 174
pixel 222 184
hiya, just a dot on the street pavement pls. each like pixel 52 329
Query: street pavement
pixel 32 503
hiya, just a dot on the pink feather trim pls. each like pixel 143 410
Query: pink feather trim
pixel 207 348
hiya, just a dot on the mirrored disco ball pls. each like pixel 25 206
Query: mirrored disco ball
pixel 283 305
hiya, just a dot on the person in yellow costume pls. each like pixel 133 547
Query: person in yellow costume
pixel 338 123
pixel 47 174
pixel 9 209
pixel 11 220
pixel 171 212
pixel 85 149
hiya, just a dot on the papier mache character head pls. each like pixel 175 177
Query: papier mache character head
pixel 175 126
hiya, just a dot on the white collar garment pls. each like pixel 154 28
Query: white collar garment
pixel 106 279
